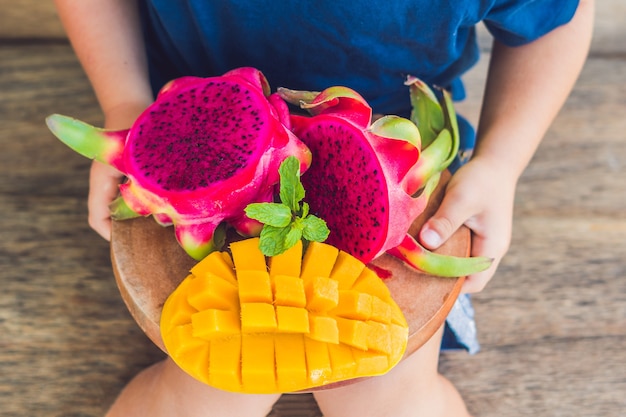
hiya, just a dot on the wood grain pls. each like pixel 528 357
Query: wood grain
pixel 552 323
pixel 29 19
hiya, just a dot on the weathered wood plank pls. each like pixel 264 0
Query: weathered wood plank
pixel 562 278
pixel 551 378
pixel 36 81
pixel 29 19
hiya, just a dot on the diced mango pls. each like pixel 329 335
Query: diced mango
pixel 317 362
pixel 183 341
pixel 379 337
pixel 287 263
pixel 199 366
pixel 209 324
pixel 318 260
pixel 370 363
pixel 346 270
pixel 225 363
pixel 257 362
pixel 209 291
pixel 292 319
pixel 353 332
pixel 228 260
pixel 176 308
pixel 353 305
pixel 397 316
pixel 323 329
pixel 381 311
pixel 254 286
pixel 370 283
pixel 289 291
pixel 398 335
pixel 218 263
pixel 258 317
pixel 310 321
pixel 247 255
pixel 322 294
pixel 291 369
pixel 342 362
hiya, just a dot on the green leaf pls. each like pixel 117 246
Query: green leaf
pixel 272 240
pixel 314 229
pixel 291 189
pixel 272 214
pixel 305 209
pixel 276 240
pixel 293 236
pixel 285 223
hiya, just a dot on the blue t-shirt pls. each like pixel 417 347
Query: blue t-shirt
pixel 370 46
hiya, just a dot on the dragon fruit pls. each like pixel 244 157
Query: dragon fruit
pixel 369 181
pixel 195 158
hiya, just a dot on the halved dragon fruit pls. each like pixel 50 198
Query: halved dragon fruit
pixel 204 150
pixel 369 181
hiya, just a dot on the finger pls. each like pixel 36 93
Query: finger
pixel 100 221
pixel 494 248
pixel 477 282
pixel 103 189
pixel 450 215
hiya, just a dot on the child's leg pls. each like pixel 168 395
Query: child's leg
pixel 164 390
pixel 414 388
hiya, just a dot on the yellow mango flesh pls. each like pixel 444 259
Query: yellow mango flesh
pixel 288 323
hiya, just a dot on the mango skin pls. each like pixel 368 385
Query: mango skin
pixel 286 328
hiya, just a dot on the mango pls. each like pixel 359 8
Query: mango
pixel 288 263
pixel 287 323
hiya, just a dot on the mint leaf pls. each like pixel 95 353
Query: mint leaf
pixel 286 222
pixel 291 189
pixel 314 229
pixel 276 240
pixel 272 214
pixel 272 240
pixel 293 236
pixel 305 209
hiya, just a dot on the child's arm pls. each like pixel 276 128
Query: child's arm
pixel 526 87
pixel 106 36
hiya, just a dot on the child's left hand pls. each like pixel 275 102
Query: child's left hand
pixel 480 197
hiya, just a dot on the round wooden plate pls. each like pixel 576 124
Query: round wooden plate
pixel 149 264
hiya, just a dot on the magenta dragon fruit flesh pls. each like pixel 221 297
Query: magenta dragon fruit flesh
pixel 195 158
pixel 369 181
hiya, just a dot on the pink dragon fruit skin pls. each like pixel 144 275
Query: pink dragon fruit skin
pixel 369 181
pixel 195 158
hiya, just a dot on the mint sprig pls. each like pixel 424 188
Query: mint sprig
pixel 287 222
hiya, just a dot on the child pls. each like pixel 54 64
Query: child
pixel 129 50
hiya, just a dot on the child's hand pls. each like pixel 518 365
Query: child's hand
pixel 480 197
pixel 103 179
pixel 103 189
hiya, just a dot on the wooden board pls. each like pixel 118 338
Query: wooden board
pixel 149 264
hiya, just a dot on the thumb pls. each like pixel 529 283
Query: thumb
pixel 450 215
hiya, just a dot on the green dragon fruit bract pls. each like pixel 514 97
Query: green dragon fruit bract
pixel 204 150
pixel 369 181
